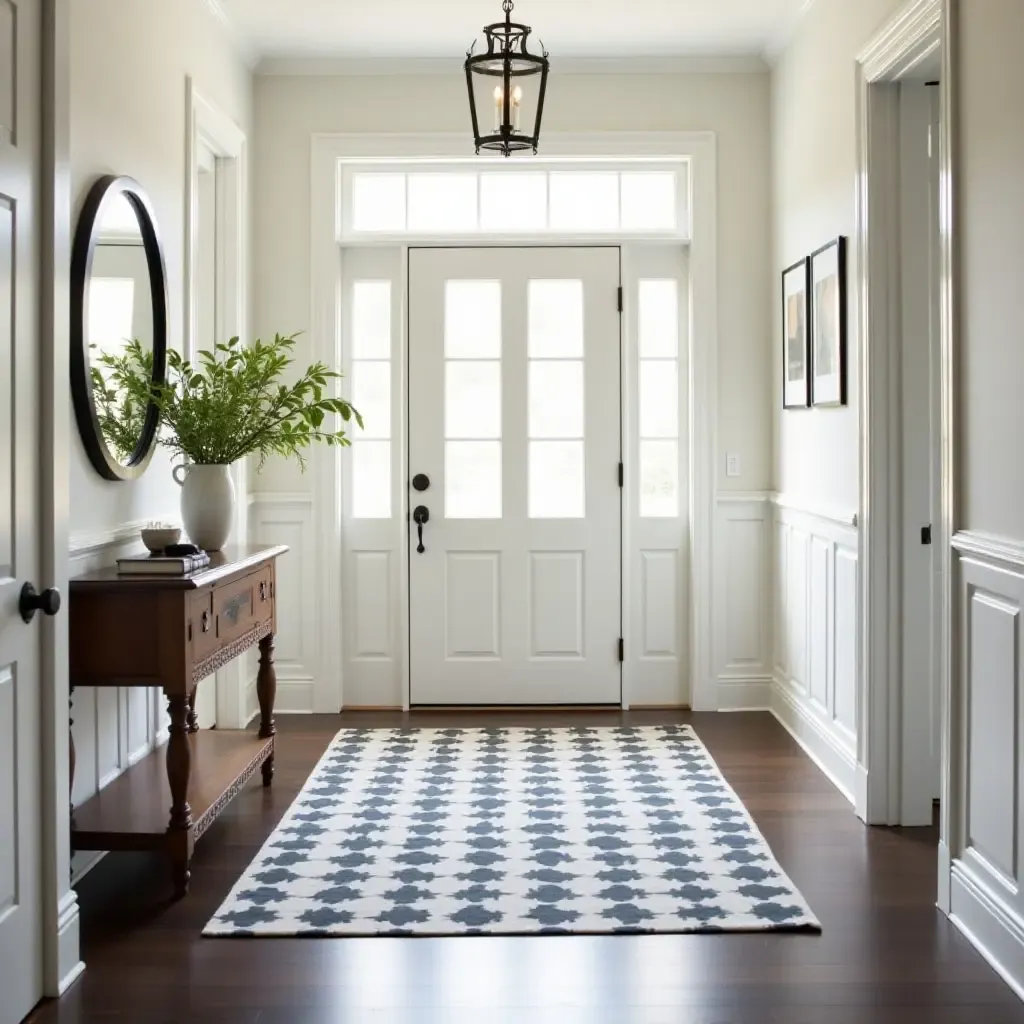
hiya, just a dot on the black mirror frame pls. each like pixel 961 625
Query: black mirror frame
pixel 82 254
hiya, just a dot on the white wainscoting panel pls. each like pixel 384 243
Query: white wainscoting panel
pixel 288 519
pixel 112 728
pixel 814 634
pixel 986 898
pixel 742 648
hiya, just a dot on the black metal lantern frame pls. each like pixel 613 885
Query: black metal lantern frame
pixel 507 58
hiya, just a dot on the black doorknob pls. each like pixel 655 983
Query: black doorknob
pixel 420 482
pixel 420 516
pixel 30 602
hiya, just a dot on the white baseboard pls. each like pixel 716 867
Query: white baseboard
pixel 294 697
pixel 995 930
pixel 837 763
pixel 751 693
pixel 69 966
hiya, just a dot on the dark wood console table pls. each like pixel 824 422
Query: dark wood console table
pixel 171 632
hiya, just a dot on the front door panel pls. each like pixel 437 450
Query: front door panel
pixel 514 418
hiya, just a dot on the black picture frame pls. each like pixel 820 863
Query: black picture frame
pixel 829 324
pixel 796 350
pixel 106 190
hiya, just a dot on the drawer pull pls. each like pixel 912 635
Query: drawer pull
pixel 263 590
pixel 205 622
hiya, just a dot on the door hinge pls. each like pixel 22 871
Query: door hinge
pixel 622 649
pixel 622 475
pixel 620 298
pixel 926 534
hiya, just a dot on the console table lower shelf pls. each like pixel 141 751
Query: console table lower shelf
pixel 131 813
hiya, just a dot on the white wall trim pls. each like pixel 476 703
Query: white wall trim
pixel 837 762
pixel 96 541
pixel 208 127
pixel 329 153
pixel 996 551
pixel 247 53
pixel 282 498
pixel 751 693
pixel 787 32
pixel 912 35
pixel 995 931
pixel 736 64
pixel 816 510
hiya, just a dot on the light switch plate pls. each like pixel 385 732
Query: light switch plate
pixel 732 465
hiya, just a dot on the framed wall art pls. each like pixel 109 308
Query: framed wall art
pixel 796 369
pixel 828 324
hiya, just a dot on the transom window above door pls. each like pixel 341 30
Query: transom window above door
pixel 566 199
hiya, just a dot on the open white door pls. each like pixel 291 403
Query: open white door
pixel 514 452
pixel 21 437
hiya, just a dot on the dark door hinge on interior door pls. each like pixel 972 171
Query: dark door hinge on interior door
pixel 926 534
pixel 622 475
pixel 620 298
pixel 622 649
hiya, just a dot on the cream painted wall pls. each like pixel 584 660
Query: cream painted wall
pixel 129 62
pixel 991 212
pixel 735 106
pixel 813 100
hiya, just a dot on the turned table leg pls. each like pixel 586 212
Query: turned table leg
pixel 266 692
pixel 193 720
pixel 179 770
pixel 71 754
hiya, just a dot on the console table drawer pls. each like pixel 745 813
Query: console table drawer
pixel 241 606
pixel 202 625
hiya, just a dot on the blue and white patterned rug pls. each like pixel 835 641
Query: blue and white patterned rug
pixel 514 831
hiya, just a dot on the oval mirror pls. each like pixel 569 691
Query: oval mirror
pixel 118 327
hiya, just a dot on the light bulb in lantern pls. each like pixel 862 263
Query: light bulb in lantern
pixel 498 98
pixel 517 99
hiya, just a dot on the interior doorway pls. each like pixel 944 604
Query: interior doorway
pixel 515 449
pixel 905 255
pixel 920 466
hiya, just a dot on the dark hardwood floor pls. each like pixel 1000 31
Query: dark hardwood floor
pixel 886 954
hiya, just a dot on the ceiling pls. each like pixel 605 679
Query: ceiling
pixel 369 29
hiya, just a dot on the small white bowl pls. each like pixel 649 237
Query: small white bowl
pixel 156 538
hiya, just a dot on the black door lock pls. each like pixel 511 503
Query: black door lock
pixel 420 516
pixel 420 482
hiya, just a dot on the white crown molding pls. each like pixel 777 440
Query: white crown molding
pixel 777 45
pixel 741 64
pixel 243 47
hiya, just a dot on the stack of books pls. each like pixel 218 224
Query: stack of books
pixel 162 565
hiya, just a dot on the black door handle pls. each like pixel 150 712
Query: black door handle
pixel 30 602
pixel 420 516
pixel 420 482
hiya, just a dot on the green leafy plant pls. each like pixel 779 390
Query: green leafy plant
pixel 232 402
pixel 120 409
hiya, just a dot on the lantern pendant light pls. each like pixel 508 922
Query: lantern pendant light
pixel 506 88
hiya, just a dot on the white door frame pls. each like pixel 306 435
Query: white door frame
pixel 916 33
pixel 208 127
pixel 60 902
pixel 329 154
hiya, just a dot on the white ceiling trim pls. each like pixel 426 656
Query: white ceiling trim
pixel 742 64
pixel 778 45
pixel 242 45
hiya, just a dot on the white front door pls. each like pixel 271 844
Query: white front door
pixel 21 438
pixel 514 434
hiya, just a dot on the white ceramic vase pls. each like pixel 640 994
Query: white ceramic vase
pixel 207 504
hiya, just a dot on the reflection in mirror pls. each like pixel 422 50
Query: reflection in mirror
pixel 119 320
pixel 120 312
